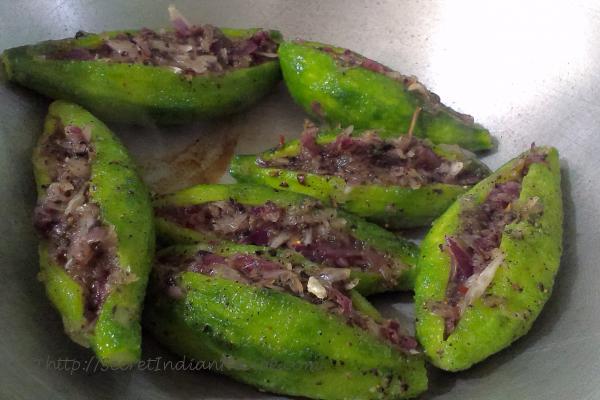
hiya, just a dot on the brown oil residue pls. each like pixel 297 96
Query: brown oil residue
pixel 173 158
pixel 205 160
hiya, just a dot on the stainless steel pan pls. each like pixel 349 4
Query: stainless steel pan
pixel 526 70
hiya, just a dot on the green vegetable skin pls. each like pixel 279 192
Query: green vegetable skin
pixel 367 99
pixel 524 280
pixel 134 93
pixel 373 235
pixel 125 205
pixel 394 207
pixel 277 341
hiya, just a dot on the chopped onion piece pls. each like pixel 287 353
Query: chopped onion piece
pixel 352 284
pixel 478 283
pixel 279 240
pixel 185 48
pixel 177 70
pixel 86 133
pixel 315 287
pixel 307 237
pixel 181 24
pixel 75 202
pixel 455 168
pixel 123 47
pixel 334 274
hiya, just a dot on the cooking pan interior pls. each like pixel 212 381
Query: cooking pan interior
pixel 527 71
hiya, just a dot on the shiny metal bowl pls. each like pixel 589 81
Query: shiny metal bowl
pixel 526 70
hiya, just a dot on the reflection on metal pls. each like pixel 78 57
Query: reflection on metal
pixel 507 53
pixel 528 70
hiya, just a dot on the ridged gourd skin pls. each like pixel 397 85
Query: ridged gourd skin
pixel 136 93
pixel 523 282
pixel 276 341
pixel 381 240
pixel 124 202
pixel 367 99
pixel 393 207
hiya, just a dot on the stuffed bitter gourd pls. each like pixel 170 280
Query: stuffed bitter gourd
pixel 487 266
pixel 268 322
pixel 263 216
pixel 346 88
pixel 396 182
pixel 94 218
pixel 147 76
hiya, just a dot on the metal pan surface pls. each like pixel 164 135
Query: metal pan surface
pixel 526 70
